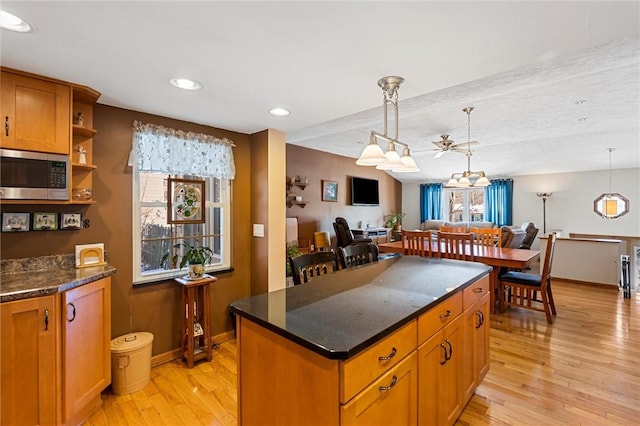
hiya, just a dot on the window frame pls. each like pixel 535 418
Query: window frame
pixel 225 207
pixel 466 211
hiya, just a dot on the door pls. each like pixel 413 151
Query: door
pixel 86 344
pixel 35 114
pixel 28 351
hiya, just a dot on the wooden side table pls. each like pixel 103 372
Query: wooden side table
pixel 196 308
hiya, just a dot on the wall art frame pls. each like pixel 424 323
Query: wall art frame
pixel 185 201
pixel 45 221
pixel 71 220
pixel 15 222
pixel 329 190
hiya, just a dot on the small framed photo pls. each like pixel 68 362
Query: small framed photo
pixel 185 201
pixel 45 221
pixel 15 222
pixel 329 190
pixel 70 220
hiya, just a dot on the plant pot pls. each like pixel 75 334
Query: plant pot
pixel 397 228
pixel 196 271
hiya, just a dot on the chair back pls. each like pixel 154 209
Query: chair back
pixel 416 243
pixel 455 245
pixel 487 237
pixel 344 237
pixel 545 273
pixel 450 229
pixel 306 266
pixel 530 235
pixel 358 254
pixel 322 240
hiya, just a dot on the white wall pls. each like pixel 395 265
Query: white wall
pixel 569 209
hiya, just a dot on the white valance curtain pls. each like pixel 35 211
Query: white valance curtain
pixel 163 150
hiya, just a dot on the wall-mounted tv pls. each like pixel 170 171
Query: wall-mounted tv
pixel 364 192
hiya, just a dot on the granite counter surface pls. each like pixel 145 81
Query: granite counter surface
pixel 338 315
pixel 41 276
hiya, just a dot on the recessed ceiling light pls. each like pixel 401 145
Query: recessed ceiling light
pixel 280 112
pixel 580 101
pixel 185 83
pixel 11 22
pixel 583 118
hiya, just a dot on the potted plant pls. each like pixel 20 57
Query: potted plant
pixel 394 220
pixel 292 251
pixel 195 256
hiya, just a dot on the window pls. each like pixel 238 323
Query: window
pixel 464 205
pixel 155 242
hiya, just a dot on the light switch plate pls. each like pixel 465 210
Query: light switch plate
pixel 258 230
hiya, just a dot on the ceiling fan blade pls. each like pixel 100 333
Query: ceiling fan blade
pixel 439 154
pixel 464 145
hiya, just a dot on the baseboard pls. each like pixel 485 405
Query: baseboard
pixel 594 284
pixel 177 353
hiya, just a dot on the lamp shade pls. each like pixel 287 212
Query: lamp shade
pixel 452 183
pixel 372 154
pixel 482 181
pixel 464 182
pixel 408 162
pixel 610 207
pixel 393 159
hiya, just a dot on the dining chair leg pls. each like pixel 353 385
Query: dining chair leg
pixel 547 309
pixel 550 298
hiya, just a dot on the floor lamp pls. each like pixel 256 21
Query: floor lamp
pixel 544 196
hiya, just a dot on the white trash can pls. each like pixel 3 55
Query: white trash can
pixel 130 362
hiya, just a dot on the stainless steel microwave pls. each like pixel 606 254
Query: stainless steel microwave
pixel 28 175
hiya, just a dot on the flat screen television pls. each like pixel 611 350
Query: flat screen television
pixel 364 192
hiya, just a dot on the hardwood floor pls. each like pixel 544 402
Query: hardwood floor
pixel 582 370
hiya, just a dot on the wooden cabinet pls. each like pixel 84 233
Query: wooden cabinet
pixel 82 142
pixel 35 114
pixel 29 360
pixel 390 400
pixel 476 345
pixel 439 382
pixel 86 345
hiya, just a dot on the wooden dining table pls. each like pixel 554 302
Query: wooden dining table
pixel 496 257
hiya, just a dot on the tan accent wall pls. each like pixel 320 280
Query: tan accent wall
pixel 155 307
pixel 319 215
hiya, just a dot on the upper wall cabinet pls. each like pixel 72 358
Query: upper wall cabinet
pixel 36 114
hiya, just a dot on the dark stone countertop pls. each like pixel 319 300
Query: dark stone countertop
pixel 41 276
pixel 338 315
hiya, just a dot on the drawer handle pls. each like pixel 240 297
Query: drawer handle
pixel 73 312
pixel 46 319
pixel 392 384
pixel 478 290
pixel 388 357
pixel 444 351
pixel 447 315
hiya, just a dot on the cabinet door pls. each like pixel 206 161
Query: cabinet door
pixel 28 361
pixel 36 114
pixel 475 362
pixel 390 400
pixel 86 344
pixel 440 379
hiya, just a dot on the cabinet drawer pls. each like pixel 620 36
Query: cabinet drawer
pixel 439 316
pixel 474 292
pixel 358 372
pixel 389 400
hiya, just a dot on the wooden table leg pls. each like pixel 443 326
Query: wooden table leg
pixel 495 290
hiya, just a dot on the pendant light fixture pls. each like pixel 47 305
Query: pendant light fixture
pixel 610 205
pixel 372 154
pixel 463 180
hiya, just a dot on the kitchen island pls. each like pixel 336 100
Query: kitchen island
pixel 400 341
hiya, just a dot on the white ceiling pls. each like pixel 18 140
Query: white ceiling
pixel 522 65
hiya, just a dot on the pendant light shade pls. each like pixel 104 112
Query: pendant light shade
pixel 372 154
pixel 610 205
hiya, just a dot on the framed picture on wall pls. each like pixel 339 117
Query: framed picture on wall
pixel 70 220
pixel 329 190
pixel 185 200
pixel 15 222
pixel 45 221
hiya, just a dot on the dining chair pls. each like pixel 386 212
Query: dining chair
pixel 454 245
pixel 322 240
pixel 358 254
pixel 457 229
pixel 488 237
pixel 416 243
pixel 520 289
pixel 306 266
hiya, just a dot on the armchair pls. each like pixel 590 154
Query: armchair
pixel 344 236
pixel 530 235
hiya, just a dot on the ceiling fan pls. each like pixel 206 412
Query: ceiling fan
pixel 447 144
